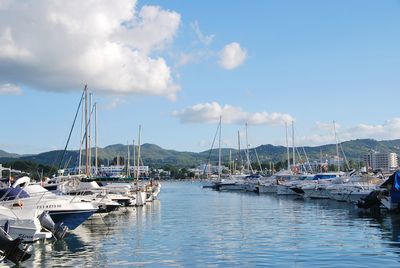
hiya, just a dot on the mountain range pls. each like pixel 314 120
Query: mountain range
pixel 155 156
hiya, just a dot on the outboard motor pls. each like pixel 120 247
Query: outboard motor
pixel 58 230
pixel 370 201
pixel 12 249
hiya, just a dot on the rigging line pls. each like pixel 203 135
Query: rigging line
pixel 344 156
pixel 72 128
pixel 212 146
pixel 258 160
pixel 308 161
pixel 87 125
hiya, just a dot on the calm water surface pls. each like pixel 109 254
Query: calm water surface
pixel 193 227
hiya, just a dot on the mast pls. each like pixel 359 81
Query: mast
pixel 128 174
pixel 81 142
pixel 90 133
pixel 95 139
pixel 134 158
pixel 337 147
pixel 247 150
pixel 219 150
pixel 230 161
pixel 138 157
pixel 239 158
pixel 86 134
pixel 287 147
pixel 294 153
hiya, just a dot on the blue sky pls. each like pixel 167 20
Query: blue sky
pixel 175 66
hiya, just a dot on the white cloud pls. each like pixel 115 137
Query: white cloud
pixel 210 113
pixel 10 89
pixel 110 45
pixel 232 56
pixel 388 130
pixel 204 39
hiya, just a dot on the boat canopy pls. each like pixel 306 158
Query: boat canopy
pixel 12 193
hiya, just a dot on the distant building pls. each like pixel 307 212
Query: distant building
pixel 112 171
pixel 209 169
pixel 383 161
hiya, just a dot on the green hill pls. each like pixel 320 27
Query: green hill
pixel 8 155
pixel 156 156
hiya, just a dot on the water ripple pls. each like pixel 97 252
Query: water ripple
pixel 194 227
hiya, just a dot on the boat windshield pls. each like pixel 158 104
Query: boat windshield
pixel 12 193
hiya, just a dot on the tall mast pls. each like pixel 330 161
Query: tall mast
pixel 90 133
pixel 219 151
pixel 337 147
pixel 95 138
pixel 138 157
pixel 86 133
pixel 294 153
pixel 81 141
pixel 128 174
pixel 287 147
pixel 247 153
pixel 134 158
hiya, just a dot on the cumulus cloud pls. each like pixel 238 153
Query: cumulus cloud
pixel 10 89
pixel 204 39
pixel 110 45
pixel 211 112
pixel 232 55
pixel 388 130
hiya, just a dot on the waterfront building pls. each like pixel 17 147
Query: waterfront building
pixel 380 161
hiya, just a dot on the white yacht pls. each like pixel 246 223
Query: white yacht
pixel 22 222
pixel 319 187
pixel 67 209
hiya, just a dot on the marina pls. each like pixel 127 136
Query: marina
pixel 142 133
pixel 196 227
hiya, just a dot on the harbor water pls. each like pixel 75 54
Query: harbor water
pixel 193 227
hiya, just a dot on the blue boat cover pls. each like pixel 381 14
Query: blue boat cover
pixel 395 191
pixel 12 193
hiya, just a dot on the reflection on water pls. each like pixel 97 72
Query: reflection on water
pixel 195 227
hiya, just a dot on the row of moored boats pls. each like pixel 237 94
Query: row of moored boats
pixel 50 210
pixel 365 190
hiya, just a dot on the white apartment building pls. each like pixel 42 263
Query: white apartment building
pixel 382 161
